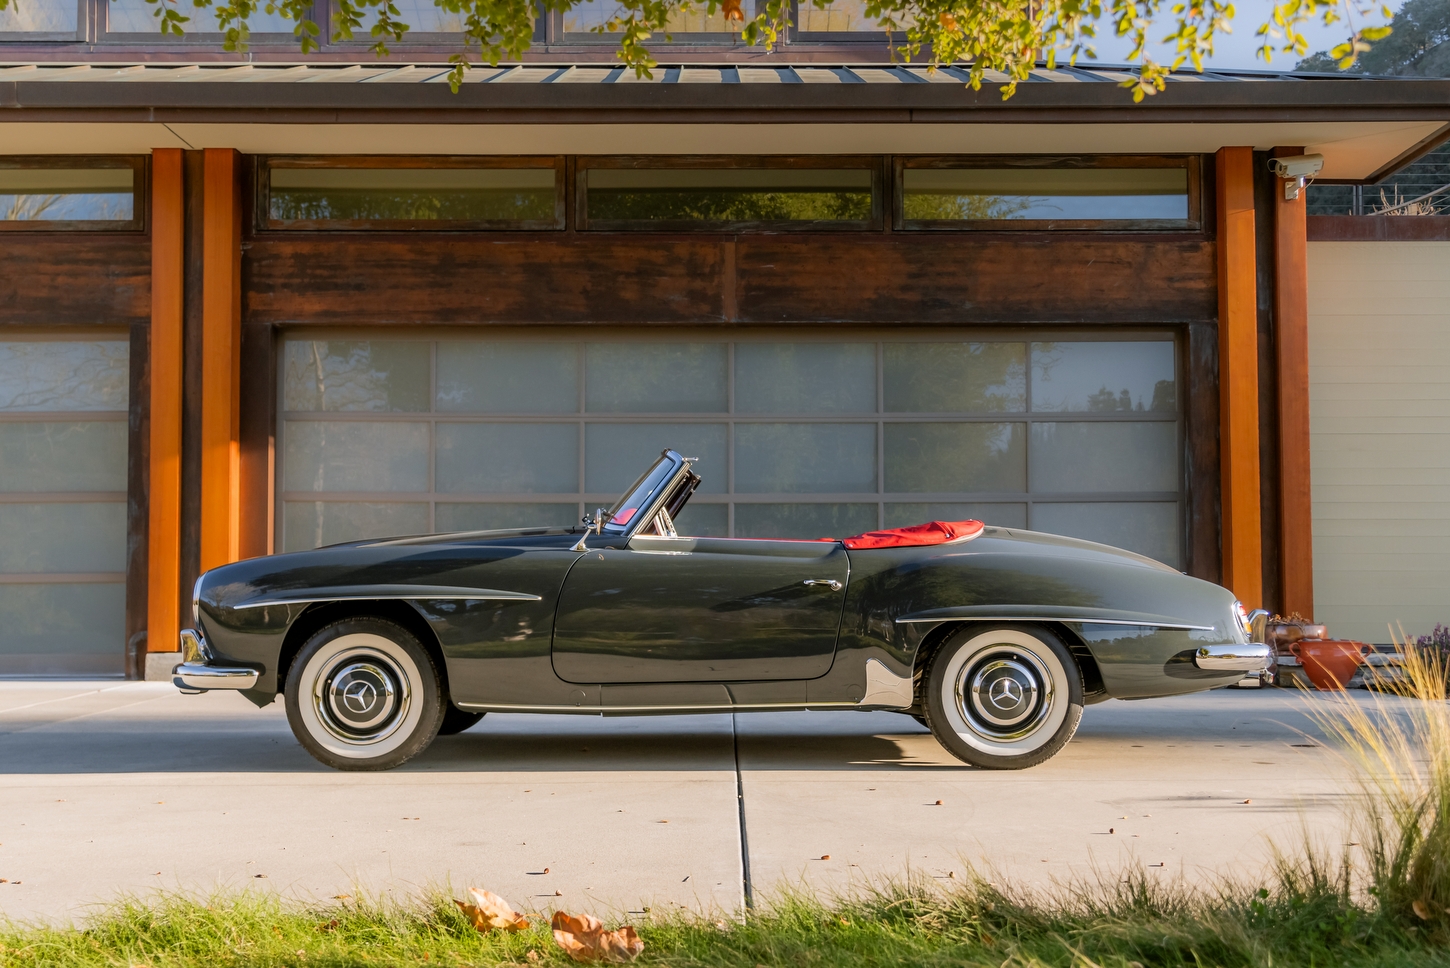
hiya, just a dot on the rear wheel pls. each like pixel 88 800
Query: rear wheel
pixel 363 694
pixel 456 720
pixel 1004 698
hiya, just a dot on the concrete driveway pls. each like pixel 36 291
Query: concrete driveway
pixel 110 788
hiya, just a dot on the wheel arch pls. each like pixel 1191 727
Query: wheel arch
pixel 1093 689
pixel 321 614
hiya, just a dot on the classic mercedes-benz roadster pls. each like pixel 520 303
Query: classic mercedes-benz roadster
pixel 994 639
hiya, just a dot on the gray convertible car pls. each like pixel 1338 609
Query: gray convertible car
pixel 994 639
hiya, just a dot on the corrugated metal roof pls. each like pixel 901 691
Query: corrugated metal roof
pixel 595 73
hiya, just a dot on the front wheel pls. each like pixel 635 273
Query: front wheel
pixel 363 694
pixel 1005 698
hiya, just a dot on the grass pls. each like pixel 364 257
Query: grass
pixel 1307 917
pixel 1390 906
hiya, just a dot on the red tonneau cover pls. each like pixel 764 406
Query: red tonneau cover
pixel 916 536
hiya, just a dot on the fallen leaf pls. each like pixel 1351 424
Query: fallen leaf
pixel 825 857
pixel 329 925
pixel 952 874
pixel 583 938
pixel 489 911
pixel 1422 911
pixel 259 875
pixel 938 803
pixel 1248 801
pixel 1112 830
pixel 342 897
pixel 546 870
pixel 533 955
pixel 731 10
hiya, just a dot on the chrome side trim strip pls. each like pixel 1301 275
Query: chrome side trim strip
pixel 714 708
pixel 1055 618
pixel 422 593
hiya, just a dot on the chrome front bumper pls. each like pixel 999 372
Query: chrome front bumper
pixel 1250 658
pixel 199 673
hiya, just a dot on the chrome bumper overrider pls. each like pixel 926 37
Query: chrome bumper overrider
pixel 1253 657
pixel 198 674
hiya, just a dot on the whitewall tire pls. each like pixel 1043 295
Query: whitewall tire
pixel 363 694
pixel 1003 698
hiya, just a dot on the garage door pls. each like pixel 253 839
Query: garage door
pixel 797 436
pixel 62 506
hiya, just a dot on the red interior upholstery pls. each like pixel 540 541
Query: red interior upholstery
pixel 916 536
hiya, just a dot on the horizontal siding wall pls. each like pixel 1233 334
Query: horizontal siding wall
pixel 1379 374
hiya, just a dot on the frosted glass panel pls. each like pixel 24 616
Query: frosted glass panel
pixel 479 458
pixel 356 375
pixel 589 14
pixel 799 457
pixel 51 457
pixel 312 524
pixel 839 16
pixel 704 520
pixel 355 456
pixel 1103 377
pixel 656 377
pixel 943 457
pixel 805 378
pixel 41 538
pixel 614 454
pixel 955 377
pixel 1099 457
pixel 139 17
pixel 488 517
pixel 1149 528
pixel 64 375
pixel 88 619
pixel 506 377
pixel 996 515
pixel 40 16
pixel 803 520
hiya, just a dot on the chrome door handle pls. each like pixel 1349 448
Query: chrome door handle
pixel 835 586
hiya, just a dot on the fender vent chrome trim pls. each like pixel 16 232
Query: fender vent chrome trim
pixel 389 593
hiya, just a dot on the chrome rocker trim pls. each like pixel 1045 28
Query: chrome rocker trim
pixel 378 593
pixel 1249 658
pixel 197 674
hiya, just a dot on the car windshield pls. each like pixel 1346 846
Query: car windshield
pixel 638 497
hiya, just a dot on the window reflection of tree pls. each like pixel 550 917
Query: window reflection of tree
pixel 64 375
pixel 958 377
pixel 298 205
pixel 729 206
pixel 968 208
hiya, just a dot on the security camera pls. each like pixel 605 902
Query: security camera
pixel 1297 171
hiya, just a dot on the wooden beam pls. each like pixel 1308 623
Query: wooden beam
pixel 1291 326
pixel 163 578
pixel 221 348
pixel 1239 376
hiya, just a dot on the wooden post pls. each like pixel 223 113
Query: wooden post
pixel 221 349
pixel 163 578
pixel 1291 326
pixel 1238 345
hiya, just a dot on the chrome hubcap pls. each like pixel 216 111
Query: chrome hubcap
pixel 1004 694
pixel 361 697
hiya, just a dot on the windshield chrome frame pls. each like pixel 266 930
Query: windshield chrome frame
pixel 645 516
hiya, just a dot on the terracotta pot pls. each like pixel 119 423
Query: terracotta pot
pixel 1329 663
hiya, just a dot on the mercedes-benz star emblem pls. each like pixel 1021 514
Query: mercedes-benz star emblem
pixel 1005 693
pixel 359 696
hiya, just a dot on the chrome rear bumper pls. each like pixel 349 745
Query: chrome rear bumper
pixel 199 673
pixel 1252 657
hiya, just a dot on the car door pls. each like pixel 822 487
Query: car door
pixel 665 609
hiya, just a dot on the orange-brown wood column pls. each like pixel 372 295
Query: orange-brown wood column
pixel 1291 328
pixel 1238 347
pixel 163 576
pixel 221 351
